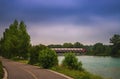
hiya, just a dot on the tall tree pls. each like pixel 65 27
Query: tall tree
pixel 15 41
pixel 24 40
pixel 115 40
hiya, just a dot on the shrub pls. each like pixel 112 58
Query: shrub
pixel 1 70
pixel 34 53
pixel 71 62
pixel 48 58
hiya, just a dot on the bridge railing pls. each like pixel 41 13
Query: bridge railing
pixel 65 50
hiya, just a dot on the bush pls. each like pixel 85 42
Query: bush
pixel 34 53
pixel 1 70
pixel 71 62
pixel 48 58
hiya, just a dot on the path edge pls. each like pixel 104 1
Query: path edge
pixel 5 74
pixel 60 74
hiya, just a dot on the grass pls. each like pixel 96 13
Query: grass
pixel 20 60
pixel 76 74
pixel 1 70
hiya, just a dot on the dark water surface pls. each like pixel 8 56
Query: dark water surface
pixel 107 67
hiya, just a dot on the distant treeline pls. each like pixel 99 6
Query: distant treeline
pixel 16 43
pixel 67 45
pixel 98 49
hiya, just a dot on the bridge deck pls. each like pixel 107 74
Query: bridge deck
pixel 65 50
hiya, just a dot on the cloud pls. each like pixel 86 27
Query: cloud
pixel 86 34
pixel 58 21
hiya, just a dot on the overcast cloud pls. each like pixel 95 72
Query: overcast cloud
pixel 59 21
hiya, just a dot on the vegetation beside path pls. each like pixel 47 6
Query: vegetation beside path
pixel 1 70
pixel 76 74
pixel 70 67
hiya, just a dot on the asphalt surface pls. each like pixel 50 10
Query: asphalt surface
pixel 24 71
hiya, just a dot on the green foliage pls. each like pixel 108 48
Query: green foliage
pixel 34 53
pixel 1 70
pixel 98 48
pixel 77 45
pixel 76 74
pixel 115 40
pixel 71 62
pixel 15 41
pixel 55 46
pixel 89 49
pixel 48 58
pixel 101 50
pixel 67 45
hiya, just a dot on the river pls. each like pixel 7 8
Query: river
pixel 106 67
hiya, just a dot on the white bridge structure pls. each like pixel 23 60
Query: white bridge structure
pixel 67 50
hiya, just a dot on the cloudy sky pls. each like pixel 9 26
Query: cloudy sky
pixel 59 21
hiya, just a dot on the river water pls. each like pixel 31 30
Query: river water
pixel 106 67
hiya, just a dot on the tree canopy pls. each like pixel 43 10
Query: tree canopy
pixel 115 40
pixel 15 41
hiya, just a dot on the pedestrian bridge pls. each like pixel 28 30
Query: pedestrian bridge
pixel 66 50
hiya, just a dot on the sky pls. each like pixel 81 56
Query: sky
pixel 59 21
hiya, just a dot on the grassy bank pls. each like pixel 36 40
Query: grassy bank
pixel 20 60
pixel 76 74
pixel 1 70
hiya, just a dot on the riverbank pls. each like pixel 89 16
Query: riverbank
pixel 76 74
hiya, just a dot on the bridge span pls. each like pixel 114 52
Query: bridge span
pixel 67 50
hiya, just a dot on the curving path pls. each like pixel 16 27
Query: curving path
pixel 24 71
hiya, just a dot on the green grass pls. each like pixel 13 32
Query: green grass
pixel 76 74
pixel 1 70
pixel 20 60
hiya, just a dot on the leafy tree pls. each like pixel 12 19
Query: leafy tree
pixel 107 50
pixel 24 40
pixel 48 58
pixel 34 53
pixel 71 62
pixel 15 41
pixel 67 45
pixel 98 49
pixel 115 40
pixel 77 45
pixel 89 49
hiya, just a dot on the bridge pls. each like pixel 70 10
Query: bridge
pixel 67 50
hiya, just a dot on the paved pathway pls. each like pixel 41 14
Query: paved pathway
pixel 24 71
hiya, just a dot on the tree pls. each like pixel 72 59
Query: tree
pixel 67 45
pixel 115 40
pixel 98 49
pixel 71 62
pixel 24 40
pixel 77 45
pixel 34 53
pixel 48 58
pixel 15 41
